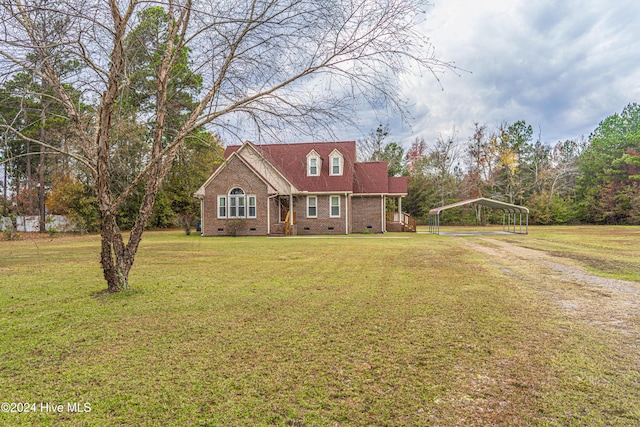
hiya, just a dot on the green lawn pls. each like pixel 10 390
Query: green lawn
pixel 394 330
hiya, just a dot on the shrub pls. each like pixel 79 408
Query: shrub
pixel 186 221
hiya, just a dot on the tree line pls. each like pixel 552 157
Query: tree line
pixel 594 180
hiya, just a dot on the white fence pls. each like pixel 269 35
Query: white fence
pixel 31 224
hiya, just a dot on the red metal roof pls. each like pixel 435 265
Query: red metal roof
pixel 398 185
pixel 291 161
pixel 371 177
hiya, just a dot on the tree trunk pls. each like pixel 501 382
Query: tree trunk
pixel 28 165
pixel 112 255
pixel 5 210
pixel 41 201
pixel 116 257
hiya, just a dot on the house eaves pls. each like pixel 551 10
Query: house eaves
pixel 258 161
pixel 201 191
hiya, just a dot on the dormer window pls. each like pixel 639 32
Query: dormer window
pixel 336 163
pixel 313 164
pixel 335 166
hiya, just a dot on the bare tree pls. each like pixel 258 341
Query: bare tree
pixel 269 64
pixel 564 165
pixel 370 149
pixel 479 160
pixel 442 157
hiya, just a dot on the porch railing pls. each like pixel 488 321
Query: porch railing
pixel 287 225
pixel 408 222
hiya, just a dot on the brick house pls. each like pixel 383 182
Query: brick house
pixel 295 189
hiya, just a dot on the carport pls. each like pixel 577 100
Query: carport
pixel 511 218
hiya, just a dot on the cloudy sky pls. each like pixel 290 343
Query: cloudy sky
pixel 563 66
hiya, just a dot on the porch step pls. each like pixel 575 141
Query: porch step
pixel 277 230
pixel 399 227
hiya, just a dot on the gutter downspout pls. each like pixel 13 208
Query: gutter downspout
pixel 269 213
pixel 202 217
pixel 346 213
pixel 384 216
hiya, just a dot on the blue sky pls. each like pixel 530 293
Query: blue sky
pixel 563 66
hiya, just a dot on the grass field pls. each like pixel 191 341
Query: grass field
pixel 393 330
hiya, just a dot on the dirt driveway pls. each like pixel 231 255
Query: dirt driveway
pixel 608 303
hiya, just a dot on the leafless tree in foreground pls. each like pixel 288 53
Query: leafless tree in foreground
pixel 278 63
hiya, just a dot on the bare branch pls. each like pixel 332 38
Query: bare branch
pixel 74 156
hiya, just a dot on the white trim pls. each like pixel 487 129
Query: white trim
pixel 226 206
pixel 316 207
pixel 336 154
pixel 291 211
pixel 311 167
pixel 202 217
pixel 255 206
pixel 313 154
pixel 332 166
pixel 331 215
pixel 238 202
pixel 251 145
pixel 346 213
pixel 269 198
pixel 384 214
pixel 379 194
pixel 326 193
pixel 200 193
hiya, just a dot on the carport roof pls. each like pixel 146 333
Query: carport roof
pixel 495 204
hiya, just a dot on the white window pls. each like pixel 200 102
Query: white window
pixel 336 163
pixel 313 166
pixel 314 163
pixel 252 207
pixel 312 206
pixel 222 206
pixel 236 203
pixel 233 207
pixel 335 166
pixel 334 207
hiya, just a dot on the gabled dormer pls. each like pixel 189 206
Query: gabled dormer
pixel 336 163
pixel 314 163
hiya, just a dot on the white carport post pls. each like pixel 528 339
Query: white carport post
pixel 520 222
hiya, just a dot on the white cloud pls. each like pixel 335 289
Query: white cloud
pixel 561 66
